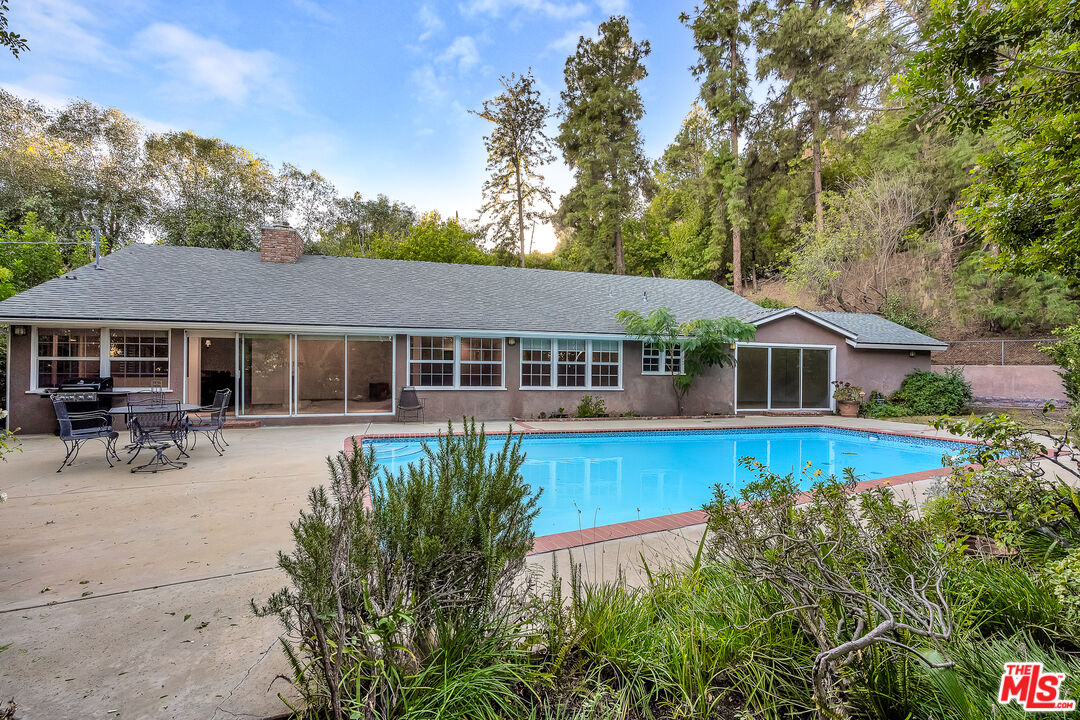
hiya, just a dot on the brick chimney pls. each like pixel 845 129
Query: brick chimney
pixel 281 244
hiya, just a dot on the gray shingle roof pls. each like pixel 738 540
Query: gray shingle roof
pixel 876 329
pixel 181 285
pixel 158 283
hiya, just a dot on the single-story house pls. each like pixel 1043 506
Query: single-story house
pixel 302 338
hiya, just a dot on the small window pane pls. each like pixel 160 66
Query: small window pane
pixel 535 362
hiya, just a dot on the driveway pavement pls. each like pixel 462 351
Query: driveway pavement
pixel 128 596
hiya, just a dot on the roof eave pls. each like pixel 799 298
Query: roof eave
pixel 898 346
pixel 799 312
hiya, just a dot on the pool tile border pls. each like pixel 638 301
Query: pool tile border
pixel 675 521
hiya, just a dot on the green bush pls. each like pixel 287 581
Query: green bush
pixel 930 393
pixel 888 410
pixel 1064 577
pixel 591 406
pixel 424 576
pixel 772 303
pixel 903 312
pixel 1066 355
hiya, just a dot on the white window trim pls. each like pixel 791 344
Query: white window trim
pixel 663 363
pixel 105 360
pixel 554 360
pixel 768 377
pixel 457 365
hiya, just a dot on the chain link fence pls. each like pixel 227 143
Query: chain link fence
pixel 994 352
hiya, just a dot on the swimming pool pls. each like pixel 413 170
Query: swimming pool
pixel 595 479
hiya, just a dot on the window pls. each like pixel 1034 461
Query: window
pixel 448 362
pixel 653 358
pixel 571 363
pixel 782 378
pixel 605 363
pixel 138 358
pixel 535 362
pixel 64 356
pixel 431 361
pixel 481 362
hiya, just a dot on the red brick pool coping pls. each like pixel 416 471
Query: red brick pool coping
pixel 675 521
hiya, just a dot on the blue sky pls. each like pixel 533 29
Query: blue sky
pixel 373 95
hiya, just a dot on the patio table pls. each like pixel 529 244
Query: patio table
pixel 126 410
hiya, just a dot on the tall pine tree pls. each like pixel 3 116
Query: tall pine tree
pixel 516 147
pixel 824 68
pixel 721 39
pixel 600 140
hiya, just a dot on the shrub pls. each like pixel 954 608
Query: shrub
pixel 902 312
pixel 1064 577
pixel 772 303
pixel 591 406
pixel 888 410
pixel 379 592
pixel 930 393
pixel 1066 355
pixel 845 392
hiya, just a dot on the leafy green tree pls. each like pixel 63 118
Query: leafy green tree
pixel 31 255
pixel 517 146
pixel 704 343
pixel 14 42
pixel 1011 70
pixel 210 193
pixel 821 67
pixel 307 200
pixel 356 221
pixel 76 166
pixel 600 140
pixel 1019 304
pixel 722 42
pixel 434 240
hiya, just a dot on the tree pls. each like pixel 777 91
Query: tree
pixel 722 42
pixel 600 140
pixel 517 146
pixel 32 255
pixel 704 343
pixel 77 166
pixel 433 240
pixel 823 69
pixel 209 193
pixel 307 200
pixel 14 42
pixel 1011 71
pixel 356 221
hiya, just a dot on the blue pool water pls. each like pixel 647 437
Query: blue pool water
pixel 593 479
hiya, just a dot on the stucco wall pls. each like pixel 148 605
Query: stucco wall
pixel 642 394
pixel 1026 384
pixel 33 413
pixel 880 370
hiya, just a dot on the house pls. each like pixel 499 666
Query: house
pixel 305 338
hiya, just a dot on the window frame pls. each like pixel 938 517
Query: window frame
pixel 553 373
pixel 457 363
pixel 768 376
pixel 662 359
pixel 108 333
pixel 104 358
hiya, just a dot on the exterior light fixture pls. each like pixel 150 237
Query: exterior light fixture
pixel 206 342
pixel 18 329
pixel 511 341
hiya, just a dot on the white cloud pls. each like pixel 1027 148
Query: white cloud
pixel 63 30
pixel 211 67
pixel 429 20
pixel 612 7
pixel 315 10
pixel 431 87
pixel 567 42
pixel 554 10
pixel 463 51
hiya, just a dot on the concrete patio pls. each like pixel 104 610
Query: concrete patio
pixel 128 596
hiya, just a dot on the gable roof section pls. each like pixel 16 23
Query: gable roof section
pixel 769 315
pixel 875 331
pixel 181 286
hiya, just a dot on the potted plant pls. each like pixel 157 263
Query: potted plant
pixel 848 398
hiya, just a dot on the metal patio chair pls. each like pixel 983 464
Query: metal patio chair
pixel 210 420
pixel 158 428
pixel 410 403
pixel 97 425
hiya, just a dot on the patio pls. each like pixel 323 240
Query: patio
pixel 128 595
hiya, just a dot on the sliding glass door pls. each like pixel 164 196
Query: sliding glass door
pixel 290 375
pixel 783 378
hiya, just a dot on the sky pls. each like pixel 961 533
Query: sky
pixel 373 95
